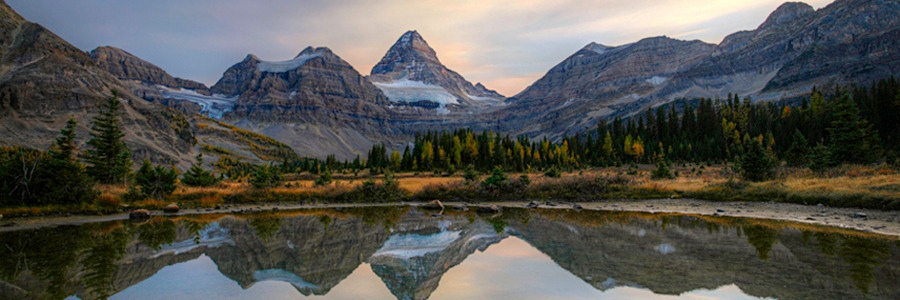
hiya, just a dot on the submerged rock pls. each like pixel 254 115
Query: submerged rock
pixel 488 209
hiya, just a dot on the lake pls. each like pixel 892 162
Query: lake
pixel 402 252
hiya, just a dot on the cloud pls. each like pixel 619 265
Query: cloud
pixel 505 45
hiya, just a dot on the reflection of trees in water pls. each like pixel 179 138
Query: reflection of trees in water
pixel 50 255
pixel 762 238
pixel 157 232
pixel 265 225
pixel 100 258
pixel 863 256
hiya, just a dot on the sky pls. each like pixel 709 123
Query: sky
pixel 506 45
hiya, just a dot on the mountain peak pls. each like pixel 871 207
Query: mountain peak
pixel 310 50
pixel 788 12
pixel 410 48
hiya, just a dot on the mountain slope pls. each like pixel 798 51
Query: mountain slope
pixel 596 81
pixel 411 72
pixel 215 139
pixel 44 80
pixel 796 48
pixel 316 102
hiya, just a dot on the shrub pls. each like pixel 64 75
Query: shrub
pixel 197 176
pixel 662 169
pixel 496 181
pixel 470 175
pixel 324 179
pixel 553 172
pixel 156 181
pixel 31 177
pixel 266 176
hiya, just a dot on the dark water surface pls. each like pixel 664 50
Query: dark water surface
pixel 406 253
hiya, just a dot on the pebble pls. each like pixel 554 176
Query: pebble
pixel 720 210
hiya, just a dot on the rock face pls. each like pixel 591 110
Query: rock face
pixel 595 81
pixel 44 80
pixel 192 98
pixel 411 72
pixel 316 102
pixel 126 66
pixel 796 48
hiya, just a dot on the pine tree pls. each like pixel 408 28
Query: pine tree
pixel 756 164
pixel 64 148
pixel 109 160
pixel 662 170
pixel 852 138
pixel 156 181
pixel 198 176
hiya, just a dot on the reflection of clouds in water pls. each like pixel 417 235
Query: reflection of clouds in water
pixel 664 248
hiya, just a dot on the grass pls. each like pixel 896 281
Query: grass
pixel 850 186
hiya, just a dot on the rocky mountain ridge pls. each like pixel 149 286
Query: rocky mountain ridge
pixel 318 104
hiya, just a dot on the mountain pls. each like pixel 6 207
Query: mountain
pixel 316 102
pixel 215 139
pixel 411 72
pixel 44 80
pixel 795 49
pixel 596 81
pixel 127 66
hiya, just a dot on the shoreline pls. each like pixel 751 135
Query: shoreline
pixel 864 220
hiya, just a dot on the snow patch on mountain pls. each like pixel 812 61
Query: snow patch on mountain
pixel 214 106
pixel 656 80
pixel 283 276
pixel 405 90
pixel 284 66
pixel 211 236
pixel 406 246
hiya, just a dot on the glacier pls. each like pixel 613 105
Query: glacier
pixel 284 66
pixel 214 106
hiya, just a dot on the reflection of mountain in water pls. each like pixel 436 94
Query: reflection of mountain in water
pixel 311 254
pixel 673 255
pixel 413 260
pixel 410 251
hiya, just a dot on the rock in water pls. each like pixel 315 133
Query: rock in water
pixel 488 209
pixel 171 208
pixel 434 205
pixel 139 214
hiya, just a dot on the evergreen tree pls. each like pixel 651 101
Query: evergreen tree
pixel 64 148
pixel 198 176
pixel 852 139
pixel 156 181
pixel 798 153
pixel 662 170
pixel 756 164
pixel 266 176
pixel 109 160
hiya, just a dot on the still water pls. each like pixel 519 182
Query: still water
pixel 406 253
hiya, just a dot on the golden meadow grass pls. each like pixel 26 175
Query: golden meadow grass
pixel 862 186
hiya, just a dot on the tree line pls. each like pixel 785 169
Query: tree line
pixel 845 125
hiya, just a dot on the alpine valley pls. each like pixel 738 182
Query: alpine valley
pixel 316 103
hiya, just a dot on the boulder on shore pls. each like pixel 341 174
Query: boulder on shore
pixel 139 214
pixel 171 208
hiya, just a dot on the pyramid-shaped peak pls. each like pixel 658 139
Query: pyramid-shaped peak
pixel 410 36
